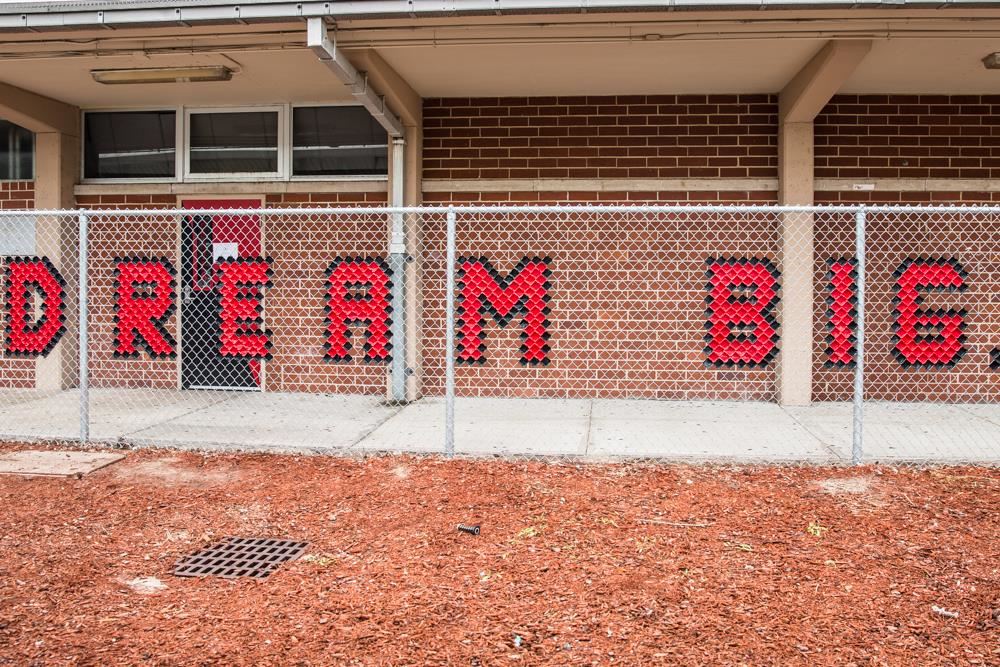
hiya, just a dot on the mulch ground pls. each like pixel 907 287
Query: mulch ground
pixel 629 564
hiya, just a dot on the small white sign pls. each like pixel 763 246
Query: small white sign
pixel 225 251
pixel 17 236
pixel 864 186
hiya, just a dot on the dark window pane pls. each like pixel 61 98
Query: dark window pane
pixel 129 144
pixel 17 152
pixel 234 143
pixel 338 141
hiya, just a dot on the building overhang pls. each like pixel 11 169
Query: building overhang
pixel 38 16
pixel 452 50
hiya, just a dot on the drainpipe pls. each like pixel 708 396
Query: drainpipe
pixel 397 264
pixel 319 40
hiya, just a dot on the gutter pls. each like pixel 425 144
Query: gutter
pixel 23 16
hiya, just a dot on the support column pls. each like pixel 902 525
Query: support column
pixel 799 103
pixel 57 157
pixel 57 166
pixel 795 157
pixel 414 239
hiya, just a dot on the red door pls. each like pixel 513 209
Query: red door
pixel 206 239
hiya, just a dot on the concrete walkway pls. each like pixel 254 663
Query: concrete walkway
pixel 579 429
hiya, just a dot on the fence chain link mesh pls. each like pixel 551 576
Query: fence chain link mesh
pixel 699 332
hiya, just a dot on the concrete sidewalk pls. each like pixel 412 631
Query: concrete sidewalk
pixel 580 429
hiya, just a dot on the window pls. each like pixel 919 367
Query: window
pixel 243 143
pixel 233 142
pixel 130 144
pixel 17 152
pixel 338 141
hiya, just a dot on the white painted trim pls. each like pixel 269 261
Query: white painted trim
pixel 246 189
pixel 707 184
pixel 909 184
pixel 601 185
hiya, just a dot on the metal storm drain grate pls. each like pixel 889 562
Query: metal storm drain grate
pixel 234 557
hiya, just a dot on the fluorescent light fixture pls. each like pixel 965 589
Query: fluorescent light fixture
pixel 162 74
pixel 992 61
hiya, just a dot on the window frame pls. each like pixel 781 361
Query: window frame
pixel 137 179
pixel 182 147
pixel 282 145
pixel 331 177
pixel 34 159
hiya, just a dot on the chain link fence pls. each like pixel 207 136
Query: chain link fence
pixel 730 333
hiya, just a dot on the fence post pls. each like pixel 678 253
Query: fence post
pixel 83 331
pixel 397 264
pixel 857 449
pixel 449 338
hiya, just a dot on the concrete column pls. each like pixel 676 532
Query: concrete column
pixel 414 232
pixel 795 146
pixel 799 102
pixel 57 166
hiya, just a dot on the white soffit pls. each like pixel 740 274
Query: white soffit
pixel 600 69
pixel 262 77
pixel 927 66
pixel 278 68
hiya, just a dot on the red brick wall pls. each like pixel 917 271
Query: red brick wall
pixel 909 136
pixel 17 195
pixel 14 372
pixel 627 300
pixel 891 240
pixel 112 237
pixel 637 136
pixel 302 250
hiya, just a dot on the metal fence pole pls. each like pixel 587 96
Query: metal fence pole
pixel 857 449
pixel 397 264
pixel 83 330
pixel 449 339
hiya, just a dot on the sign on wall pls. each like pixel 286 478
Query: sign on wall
pixel 740 326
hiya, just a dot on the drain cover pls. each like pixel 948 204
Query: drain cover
pixel 240 557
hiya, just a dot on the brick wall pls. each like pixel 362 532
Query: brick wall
pixel 16 373
pixel 892 240
pixel 17 195
pixel 627 301
pixel 909 136
pixel 302 250
pixel 324 199
pixel 112 237
pixel 628 295
pixel 639 136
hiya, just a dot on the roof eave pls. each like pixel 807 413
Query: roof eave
pixel 64 16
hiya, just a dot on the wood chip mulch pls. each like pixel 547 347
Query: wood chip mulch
pixel 594 564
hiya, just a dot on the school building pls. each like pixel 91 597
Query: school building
pixel 261 104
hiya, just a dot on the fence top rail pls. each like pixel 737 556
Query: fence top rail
pixel 504 209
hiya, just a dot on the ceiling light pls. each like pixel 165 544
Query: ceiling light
pixel 162 75
pixel 992 61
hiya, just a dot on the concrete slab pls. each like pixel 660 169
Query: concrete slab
pixel 113 412
pixel 702 431
pixel 273 422
pixel 910 432
pixel 597 430
pixel 55 463
pixel 918 432
pixel 487 426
